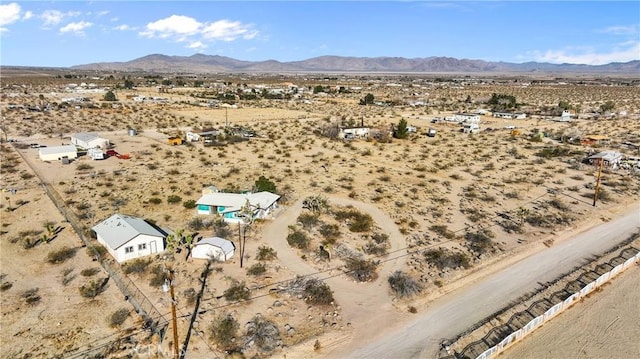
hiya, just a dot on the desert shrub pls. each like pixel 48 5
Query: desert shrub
pixel 89 272
pixel 331 232
pixel 190 294
pixel 403 285
pixel 317 292
pixel 558 204
pixel 480 241
pixel 221 228
pixel 357 221
pixel 444 258
pixel 263 333
pixel 266 254
pixel 236 292
pixel 442 230
pixel 298 239
pixel 31 296
pixel 172 199
pixel 155 200
pixel 136 266
pixel 223 331
pixel 374 248
pixel 93 288
pixel 5 286
pixel 511 226
pixel 83 167
pixel 549 220
pixel 118 317
pixel 189 204
pixel 257 269
pixel 157 276
pixel 361 270
pixel 96 249
pixel 308 220
pixel 61 255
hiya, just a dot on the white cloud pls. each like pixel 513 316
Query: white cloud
pixel 187 29
pixel 122 27
pixel 622 52
pixel 621 30
pixel 51 17
pixel 27 15
pixel 172 26
pixel 228 31
pixel 9 14
pixel 76 28
pixel 197 45
pixel 54 17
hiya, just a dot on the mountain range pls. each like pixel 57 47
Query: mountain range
pixel 200 63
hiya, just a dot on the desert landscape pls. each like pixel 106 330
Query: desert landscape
pixel 369 229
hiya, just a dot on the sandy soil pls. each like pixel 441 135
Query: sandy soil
pixel 454 181
pixel 604 325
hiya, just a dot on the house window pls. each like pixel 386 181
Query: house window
pixel 142 247
pixel 128 249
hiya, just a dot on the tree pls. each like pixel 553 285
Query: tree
pixel 265 184
pixel 607 106
pixel 110 96
pixel 128 84
pixel 367 100
pixel 318 88
pixel 401 130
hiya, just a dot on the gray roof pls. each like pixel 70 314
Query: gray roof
pixel 120 229
pixel 85 136
pixel 226 245
pixel 58 149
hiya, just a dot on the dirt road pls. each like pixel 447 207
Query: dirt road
pixel 362 303
pixel 453 313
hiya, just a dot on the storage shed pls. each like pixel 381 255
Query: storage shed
pixel 56 153
pixel 214 248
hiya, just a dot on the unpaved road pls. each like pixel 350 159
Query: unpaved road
pixel 454 312
pixel 360 302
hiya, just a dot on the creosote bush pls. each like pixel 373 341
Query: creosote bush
pixel 403 285
pixel 223 331
pixel 257 269
pixel 263 333
pixel 361 270
pixel 118 317
pixel 443 258
pixel 266 253
pixel 136 266
pixel 236 292
pixel 298 239
pixel 61 255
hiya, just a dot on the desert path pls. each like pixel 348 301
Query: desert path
pixel 453 313
pixel 363 304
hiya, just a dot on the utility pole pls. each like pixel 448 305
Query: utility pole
pixel 168 285
pixel 595 194
pixel 240 242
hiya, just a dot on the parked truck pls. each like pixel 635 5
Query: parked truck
pixel 431 132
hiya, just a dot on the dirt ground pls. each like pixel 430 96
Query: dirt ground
pixel 426 193
pixel 604 325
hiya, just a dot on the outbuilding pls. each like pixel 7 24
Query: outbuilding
pixel 56 153
pixel 213 248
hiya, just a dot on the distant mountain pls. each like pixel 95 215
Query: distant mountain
pixel 213 63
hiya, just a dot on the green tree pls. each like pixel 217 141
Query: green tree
pixel 318 88
pixel 110 96
pixel 607 106
pixel 564 105
pixel 367 100
pixel 128 84
pixel 265 184
pixel 401 130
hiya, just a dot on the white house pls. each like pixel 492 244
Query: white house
pixel 353 132
pixel 609 158
pixel 89 140
pixel 127 237
pixel 565 117
pixel 471 128
pixel 467 117
pixel 510 115
pixel 192 136
pixel 56 153
pixel 228 205
pixel 214 248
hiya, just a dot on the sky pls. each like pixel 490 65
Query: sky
pixel 68 33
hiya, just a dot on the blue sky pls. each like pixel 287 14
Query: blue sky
pixel 67 33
